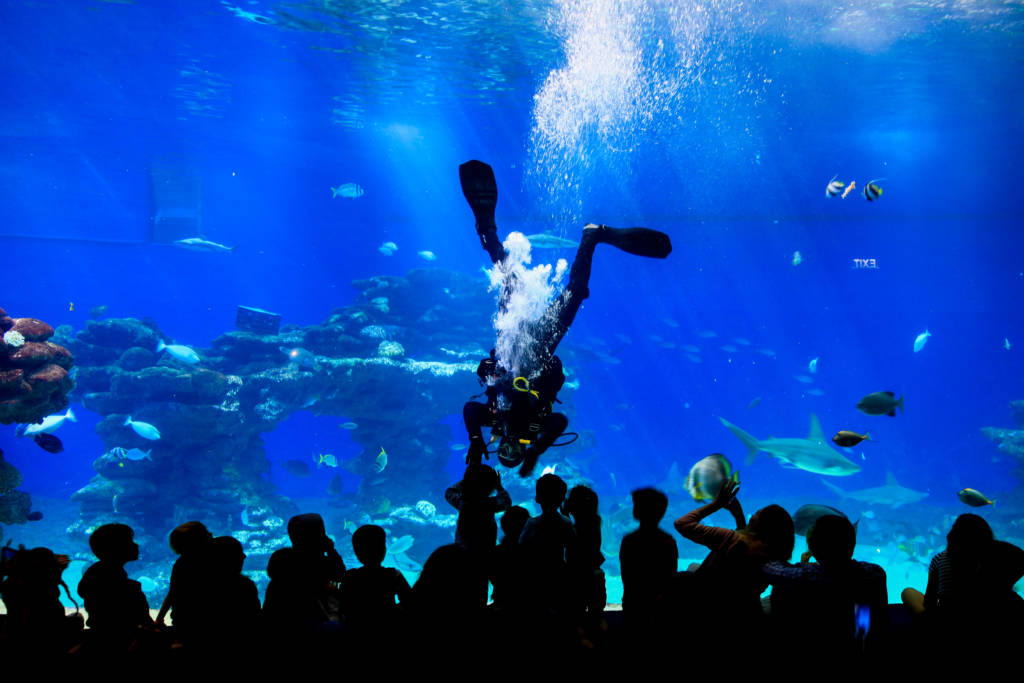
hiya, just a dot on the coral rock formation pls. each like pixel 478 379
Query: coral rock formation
pixel 34 379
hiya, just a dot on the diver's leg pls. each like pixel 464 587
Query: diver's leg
pixel 481 191
pixel 553 427
pixel 476 416
pixel 562 311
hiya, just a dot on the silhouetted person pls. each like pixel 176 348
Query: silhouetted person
pixel 116 605
pixel 583 556
pixel 229 622
pixel 966 587
pixel 302 596
pixel 507 573
pixel 544 541
pixel 186 591
pixel 35 624
pixel 835 607
pixel 445 612
pixel 648 560
pixel 369 593
pixel 478 497
pixel 728 584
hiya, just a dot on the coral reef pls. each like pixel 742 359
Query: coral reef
pixel 397 370
pixel 34 372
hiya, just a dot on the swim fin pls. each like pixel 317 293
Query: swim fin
pixel 638 241
pixel 481 191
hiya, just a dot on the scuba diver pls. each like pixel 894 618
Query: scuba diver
pixel 520 400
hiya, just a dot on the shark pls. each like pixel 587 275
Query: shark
pixel 812 454
pixel 892 494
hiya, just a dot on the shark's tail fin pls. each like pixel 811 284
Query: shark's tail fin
pixel 750 441
pixel 835 489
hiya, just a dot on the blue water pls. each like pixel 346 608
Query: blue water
pixel 717 123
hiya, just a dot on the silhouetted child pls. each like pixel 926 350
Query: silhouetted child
pixel 583 556
pixel 506 567
pixel 116 605
pixel 188 541
pixel 368 593
pixel 648 559
pixel 544 541
pixel 835 607
pixel 302 596
pixel 35 624
pixel 478 497
pixel 228 620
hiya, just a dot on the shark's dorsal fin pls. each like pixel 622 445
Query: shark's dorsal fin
pixel 890 480
pixel 816 433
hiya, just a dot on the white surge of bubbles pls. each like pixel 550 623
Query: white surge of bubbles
pixel 631 67
pixel 527 293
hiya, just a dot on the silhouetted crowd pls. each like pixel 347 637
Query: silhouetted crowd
pixel 538 595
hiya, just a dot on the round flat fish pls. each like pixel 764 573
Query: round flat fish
pixel 707 476
pixel 807 515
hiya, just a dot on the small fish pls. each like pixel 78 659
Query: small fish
pixel 671 322
pixel 136 454
pixel 974 498
pixel 873 191
pixel 921 340
pixel 742 341
pixel 707 334
pixel 335 487
pixel 813 365
pixel 849 439
pixel 766 352
pixel 427 255
pixel 400 545
pixel 113 502
pixel 297 468
pixel 797 258
pixel 244 516
pixel 426 508
pixel 458 447
pixel 96 312
pixel 199 244
pixel 690 348
pixel 1006 344
pixel 388 248
pixel 347 191
pixel 349 425
pixel 544 241
pixel 692 358
pixel 143 429
pixel 729 348
pixel 71 307
pixel 803 378
pixel 834 186
pixel 300 357
pixel 179 352
pixel 381 461
pixel 755 402
pixel 49 425
pixel 880 403
pixel 815 392
pixel 49 443
pixel 34 516
pixel 849 188
pixel 325 459
pixel 550 469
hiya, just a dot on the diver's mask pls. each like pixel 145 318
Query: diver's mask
pixel 511 451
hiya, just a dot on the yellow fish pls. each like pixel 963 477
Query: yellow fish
pixel 71 306
pixel 381 462
pixel 328 459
